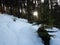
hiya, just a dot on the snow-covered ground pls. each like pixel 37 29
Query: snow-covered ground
pixel 17 31
pixel 56 39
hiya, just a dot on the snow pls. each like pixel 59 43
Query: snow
pixel 56 39
pixel 17 31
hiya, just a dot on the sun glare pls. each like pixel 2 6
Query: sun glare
pixel 35 13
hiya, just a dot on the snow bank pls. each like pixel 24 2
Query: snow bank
pixel 16 31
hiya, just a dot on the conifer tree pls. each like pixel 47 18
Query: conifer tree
pixel 46 21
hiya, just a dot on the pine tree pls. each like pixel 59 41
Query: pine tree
pixel 46 21
pixel 56 15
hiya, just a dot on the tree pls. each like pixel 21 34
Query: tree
pixel 46 21
pixel 44 35
pixel 56 15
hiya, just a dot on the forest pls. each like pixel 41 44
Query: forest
pixel 47 11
